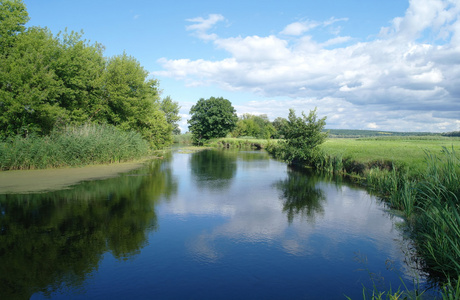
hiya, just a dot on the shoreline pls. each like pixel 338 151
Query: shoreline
pixel 48 180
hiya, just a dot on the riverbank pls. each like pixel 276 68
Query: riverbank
pixel 72 146
pixel 39 181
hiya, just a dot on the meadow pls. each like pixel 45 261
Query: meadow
pixel 402 152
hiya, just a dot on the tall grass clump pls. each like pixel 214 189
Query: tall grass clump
pixel 72 146
pixel 239 143
pixel 438 226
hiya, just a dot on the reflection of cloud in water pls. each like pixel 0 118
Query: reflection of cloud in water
pixel 251 210
pixel 203 249
pixel 348 214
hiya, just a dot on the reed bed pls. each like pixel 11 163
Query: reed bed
pixel 72 146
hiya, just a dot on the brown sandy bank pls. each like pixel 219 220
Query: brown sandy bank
pixel 32 181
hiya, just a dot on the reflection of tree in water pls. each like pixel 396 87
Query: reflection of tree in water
pixel 54 240
pixel 213 168
pixel 301 196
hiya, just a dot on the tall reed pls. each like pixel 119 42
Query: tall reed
pixel 72 146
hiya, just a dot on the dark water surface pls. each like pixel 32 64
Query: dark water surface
pixel 205 225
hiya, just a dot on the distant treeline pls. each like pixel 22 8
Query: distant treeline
pixel 453 133
pixel 353 133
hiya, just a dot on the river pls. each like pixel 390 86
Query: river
pixel 214 224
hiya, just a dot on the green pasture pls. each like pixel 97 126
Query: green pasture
pixel 404 151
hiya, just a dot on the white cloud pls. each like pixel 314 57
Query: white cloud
pixel 407 70
pixel 202 25
pixel 299 28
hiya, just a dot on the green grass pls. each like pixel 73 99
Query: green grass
pixel 404 152
pixel 72 146
pixel 245 142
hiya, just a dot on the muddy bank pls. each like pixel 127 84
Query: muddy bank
pixel 33 181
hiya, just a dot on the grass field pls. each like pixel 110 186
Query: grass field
pixel 402 151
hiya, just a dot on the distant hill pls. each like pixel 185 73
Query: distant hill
pixel 353 133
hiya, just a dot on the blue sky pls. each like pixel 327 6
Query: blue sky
pixel 365 64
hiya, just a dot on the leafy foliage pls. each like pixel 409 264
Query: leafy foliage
pixel 13 17
pixel 171 110
pixel 133 102
pixel 211 118
pixel 303 135
pixel 280 125
pixel 255 126
pixel 49 81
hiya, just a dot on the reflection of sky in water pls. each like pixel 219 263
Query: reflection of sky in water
pixel 249 211
pixel 226 234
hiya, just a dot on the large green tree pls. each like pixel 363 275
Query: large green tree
pixel 80 67
pixel 47 81
pixel 13 17
pixel 30 90
pixel 133 100
pixel 211 118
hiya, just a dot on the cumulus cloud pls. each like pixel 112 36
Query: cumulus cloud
pixel 201 26
pixel 411 67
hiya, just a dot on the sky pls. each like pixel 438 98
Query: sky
pixel 389 65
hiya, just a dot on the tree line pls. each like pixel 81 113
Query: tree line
pixel 50 81
pixel 216 118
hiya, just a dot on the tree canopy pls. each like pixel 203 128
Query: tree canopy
pixel 48 81
pixel 254 126
pixel 171 110
pixel 211 118
pixel 13 17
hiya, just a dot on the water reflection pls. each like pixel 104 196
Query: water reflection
pixel 213 169
pixel 301 195
pixel 205 225
pixel 52 241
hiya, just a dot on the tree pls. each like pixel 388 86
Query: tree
pixel 211 118
pixel 46 81
pixel 13 17
pixel 303 135
pixel 29 88
pixel 280 125
pixel 171 110
pixel 255 126
pixel 133 101
pixel 80 67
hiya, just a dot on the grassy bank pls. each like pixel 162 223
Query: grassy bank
pixel 240 143
pixel 72 146
pixel 419 176
pixel 403 152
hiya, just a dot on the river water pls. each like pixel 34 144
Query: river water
pixel 213 224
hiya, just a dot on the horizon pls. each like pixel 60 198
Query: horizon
pixel 366 65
